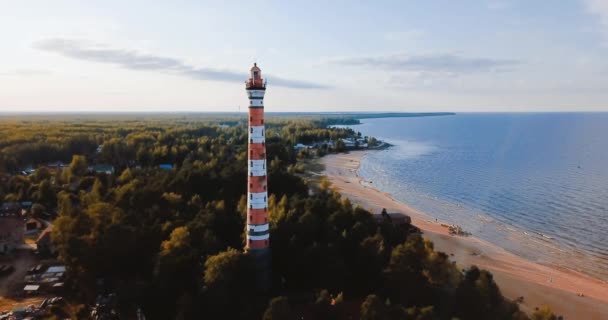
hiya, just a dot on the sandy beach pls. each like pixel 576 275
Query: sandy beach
pixel 538 284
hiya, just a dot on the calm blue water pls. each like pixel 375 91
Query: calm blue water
pixel 535 184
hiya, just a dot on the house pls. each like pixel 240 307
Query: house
pixel 26 204
pixel 300 146
pixel 102 168
pixel 395 218
pixel 54 167
pixel 349 143
pixel 28 171
pixel 362 143
pixel 11 233
pixel 57 165
pixel 44 243
pixel 10 208
pixel 165 166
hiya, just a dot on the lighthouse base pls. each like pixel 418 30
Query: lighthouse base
pixel 262 259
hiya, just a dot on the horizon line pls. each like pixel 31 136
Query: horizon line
pixel 30 112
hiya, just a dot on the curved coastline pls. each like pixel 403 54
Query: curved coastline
pixel 539 284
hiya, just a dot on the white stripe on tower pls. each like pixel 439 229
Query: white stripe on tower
pixel 256 103
pixel 257 200
pixel 257 168
pixel 262 237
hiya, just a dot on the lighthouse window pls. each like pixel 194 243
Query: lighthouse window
pixel 255 74
pixel 262 121
pixel 251 130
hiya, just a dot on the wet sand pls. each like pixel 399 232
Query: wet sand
pixel 538 284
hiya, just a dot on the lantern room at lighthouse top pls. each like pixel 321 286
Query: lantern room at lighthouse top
pixel 255 79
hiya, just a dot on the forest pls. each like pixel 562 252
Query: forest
pixel 164 229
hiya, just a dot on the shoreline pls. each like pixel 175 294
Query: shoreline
pixel 516 276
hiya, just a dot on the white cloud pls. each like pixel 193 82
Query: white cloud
pixel 435 63
pixel 134 60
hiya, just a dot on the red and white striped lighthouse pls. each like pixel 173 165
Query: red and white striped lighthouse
pixel 258 233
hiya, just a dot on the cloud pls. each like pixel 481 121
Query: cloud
pixel 436 63
pixel 133 60
pixel 599 8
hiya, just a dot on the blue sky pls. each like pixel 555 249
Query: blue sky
pixel 486 55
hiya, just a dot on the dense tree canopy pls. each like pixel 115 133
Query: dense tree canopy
pixel 171 240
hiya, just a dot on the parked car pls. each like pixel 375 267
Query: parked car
pixel 40 268
pixel 37 269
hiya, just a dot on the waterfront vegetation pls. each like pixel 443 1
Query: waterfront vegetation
pixel 169 239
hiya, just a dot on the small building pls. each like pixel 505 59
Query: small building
pixel 349 143
pixel 395 218
pixel 28 171
pixel 26 204
pixel 33 225
pixel 54 167
pixel 13 208
pixel 300 146
pixel 57 165
pixel 31 288
pixel 362 143
pixel 102 168
pixel 165 166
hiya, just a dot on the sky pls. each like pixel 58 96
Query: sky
pixel 408 56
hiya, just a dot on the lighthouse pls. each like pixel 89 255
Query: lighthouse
pixel 258 233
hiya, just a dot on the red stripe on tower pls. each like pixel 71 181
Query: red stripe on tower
pixel 258 233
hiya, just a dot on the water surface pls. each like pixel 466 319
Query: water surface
pixel 534 184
